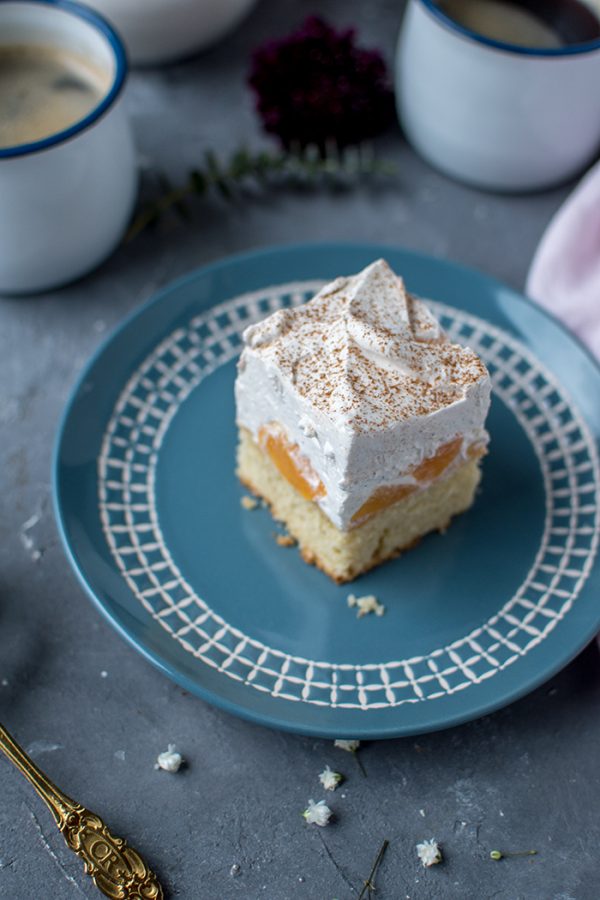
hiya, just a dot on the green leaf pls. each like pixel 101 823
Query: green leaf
pixel 198 181
pixel 183 209
pixel 240 163
pixel 216 176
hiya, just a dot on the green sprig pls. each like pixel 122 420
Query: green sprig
pixel 298 167
pixel 502 854
pixel 369 883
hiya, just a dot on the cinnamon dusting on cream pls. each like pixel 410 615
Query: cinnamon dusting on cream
pixel 366 353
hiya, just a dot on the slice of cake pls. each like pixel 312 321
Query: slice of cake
pixel 360 423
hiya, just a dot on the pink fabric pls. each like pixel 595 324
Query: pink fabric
pixel 565 273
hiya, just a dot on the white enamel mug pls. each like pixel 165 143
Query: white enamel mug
pixel 65 200
pixel 162 31
pixel 496 115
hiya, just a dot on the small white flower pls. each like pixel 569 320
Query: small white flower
pixel 317 813
pixel 350 746
pixel 330 779
pixel 429 853
pixel 366 605
pixel 170 760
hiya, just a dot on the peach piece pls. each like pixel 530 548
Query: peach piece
pixel 427 471
pixel 433 467
pixel 381 499
pixel 294 467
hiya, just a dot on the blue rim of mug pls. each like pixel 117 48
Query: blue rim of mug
pixel 567 50
pixel 116 45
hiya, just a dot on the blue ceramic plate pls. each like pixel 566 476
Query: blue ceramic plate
pixel 150 513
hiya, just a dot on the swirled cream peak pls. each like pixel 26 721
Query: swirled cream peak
pixel 365 353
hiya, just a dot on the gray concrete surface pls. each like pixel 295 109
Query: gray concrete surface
pixel 94 714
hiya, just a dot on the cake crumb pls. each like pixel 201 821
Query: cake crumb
pixel 366 605
pixel 248 502
pixel 285 540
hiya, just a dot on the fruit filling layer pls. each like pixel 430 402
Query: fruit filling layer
pixel 290 462
pixel 297 470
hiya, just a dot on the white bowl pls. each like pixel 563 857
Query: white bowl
pixel 160 31
pixel 66 199
pixel 491 114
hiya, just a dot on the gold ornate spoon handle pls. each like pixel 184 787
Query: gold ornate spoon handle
pixel 116 869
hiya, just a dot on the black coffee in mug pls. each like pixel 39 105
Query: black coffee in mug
pixel 44 90
pixel 538 24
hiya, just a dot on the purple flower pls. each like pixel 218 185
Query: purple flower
pixel 316 86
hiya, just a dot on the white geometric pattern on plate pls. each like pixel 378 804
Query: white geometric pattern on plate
pixel 126 472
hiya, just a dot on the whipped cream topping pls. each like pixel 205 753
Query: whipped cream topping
pixel 364 382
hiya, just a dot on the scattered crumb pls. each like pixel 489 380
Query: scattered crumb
pixel 350 746
pixel 36 748
pixel 4 682
pixel 248 502
pixel 120 755
pixel 300 879
pixel 235 870
pixel 422 812
pixel 169 760
pixel 366 605
pixel 429 853
pixel 28 542
pixel 285 540
pixel 31 522
pixel 103 674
